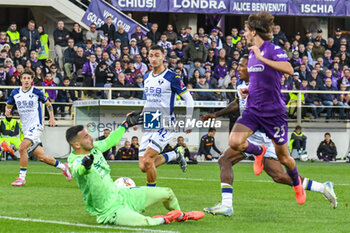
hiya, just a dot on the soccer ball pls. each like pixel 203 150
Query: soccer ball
pixel 304 157
pixel 124 182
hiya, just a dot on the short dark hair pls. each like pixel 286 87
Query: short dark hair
pixel 211 130
pixel 297 127
pixel 262 23
pixel 179 137
pixel 66 78
pixel 28 72
pixel 327 134
pixel 157 47
pixel 134 137
pixel 72 133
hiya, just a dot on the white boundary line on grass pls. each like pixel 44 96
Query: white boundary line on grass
pixel 84 225
pixel 182 178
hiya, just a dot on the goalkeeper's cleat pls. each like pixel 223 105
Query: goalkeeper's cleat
pixel 193 215
pixel 329 193
pixel 19 182
pixel 258 162
pixel 220 209
pixel 7 148
pixel 300 194
pixel 66 172
pixel 170 217
pixel 180 151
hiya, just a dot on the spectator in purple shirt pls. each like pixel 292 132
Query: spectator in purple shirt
pixel 336 72
pixel 328 74
pixel 295 60
pixel 139 36
pixel 220 70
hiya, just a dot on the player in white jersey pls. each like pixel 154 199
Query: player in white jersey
pixel 28 98
pixel 272 165
pixel 161 88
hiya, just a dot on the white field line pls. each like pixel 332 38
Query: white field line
pixel 84 225
pixel 181 178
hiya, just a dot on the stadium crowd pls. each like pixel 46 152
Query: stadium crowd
pixel 204 60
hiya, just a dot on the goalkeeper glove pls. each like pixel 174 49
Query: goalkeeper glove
pixel 87 161
pixel 132 119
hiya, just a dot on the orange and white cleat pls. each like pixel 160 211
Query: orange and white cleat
pixel 300 194
pixel 193 215
pixel 171 216
pixel 258 163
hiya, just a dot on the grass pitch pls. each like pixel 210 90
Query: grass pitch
pixel 48 203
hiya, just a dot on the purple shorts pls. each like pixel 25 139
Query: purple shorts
pixel 276 127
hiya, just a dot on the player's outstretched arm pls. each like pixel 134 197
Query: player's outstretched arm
pixel 52 122
pixel 114 138
pixel 231 108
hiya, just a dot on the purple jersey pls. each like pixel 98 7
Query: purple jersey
pixel 265 98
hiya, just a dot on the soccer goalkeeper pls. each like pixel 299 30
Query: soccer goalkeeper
pixel 113 205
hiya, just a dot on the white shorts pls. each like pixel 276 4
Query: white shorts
pixel 259 138
pixel 33 134
pixel 156 140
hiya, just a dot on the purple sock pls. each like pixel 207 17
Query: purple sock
pixel 294 175
pixel 253 149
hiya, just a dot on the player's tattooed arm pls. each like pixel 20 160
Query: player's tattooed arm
pixel 49 108
pixel 52 122
pixel 231 108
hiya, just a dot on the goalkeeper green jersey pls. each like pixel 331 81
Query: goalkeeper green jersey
pixel 100 194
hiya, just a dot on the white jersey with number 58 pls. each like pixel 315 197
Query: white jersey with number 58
pixel 28 105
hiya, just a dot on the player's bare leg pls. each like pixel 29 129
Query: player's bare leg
pixel 40 154
pixel 238 141
pixel 238 137
pixel 147 165
pixel 226 161
pixel 23 147
pixel 153 157
pixel 274 169
pixel 160 160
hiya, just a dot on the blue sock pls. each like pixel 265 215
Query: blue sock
pixel 309 184
pixel 57 162
pixel 166 157
pixel 151 184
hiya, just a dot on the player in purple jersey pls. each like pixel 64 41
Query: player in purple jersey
pixel 265 107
